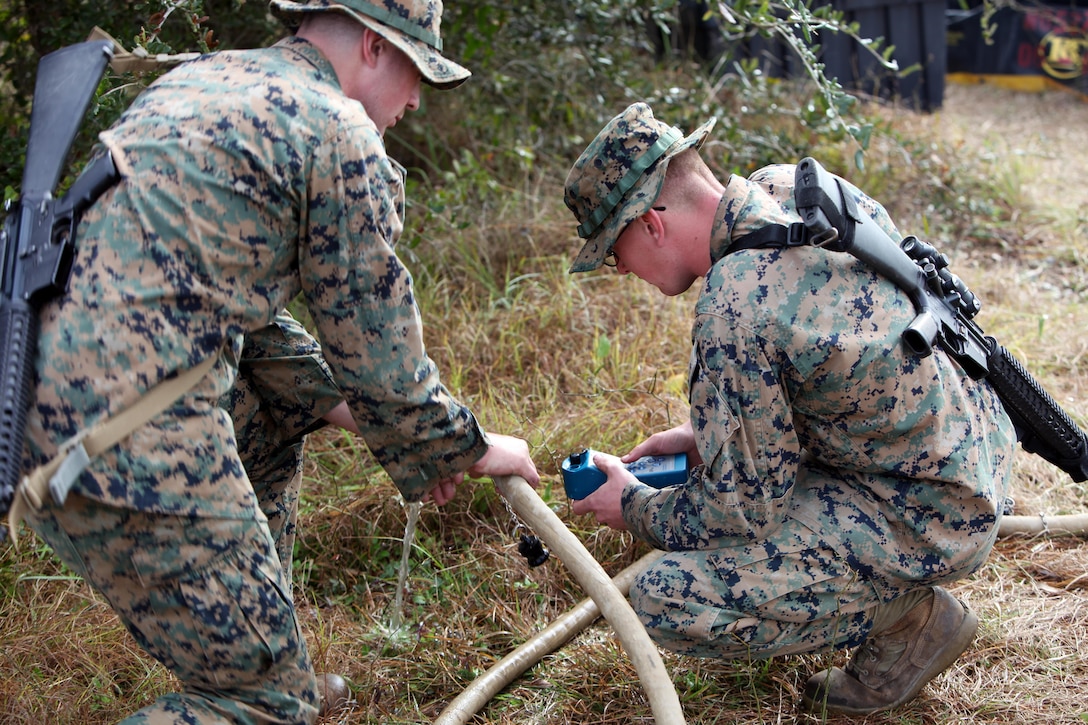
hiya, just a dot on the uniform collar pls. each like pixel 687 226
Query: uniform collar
pixel 745 206
pixel 725 217
pixel 309 52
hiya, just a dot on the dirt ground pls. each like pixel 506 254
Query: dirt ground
pixel 1047 132
pixel 1039 142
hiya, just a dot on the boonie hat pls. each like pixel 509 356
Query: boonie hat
pixel 619 175
pixel 411 25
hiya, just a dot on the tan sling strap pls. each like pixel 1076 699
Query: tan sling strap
pixel 57 476
pixel 138 60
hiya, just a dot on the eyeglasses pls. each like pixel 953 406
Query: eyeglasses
pixel 612 259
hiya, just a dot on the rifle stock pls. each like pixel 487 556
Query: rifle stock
pixel 36 251
pixel 63 91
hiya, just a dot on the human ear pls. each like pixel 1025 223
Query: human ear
pixel 655 225
pixel 373 46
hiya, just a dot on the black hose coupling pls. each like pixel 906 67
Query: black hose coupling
pixel 532 548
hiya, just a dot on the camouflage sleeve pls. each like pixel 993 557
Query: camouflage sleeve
pixel 743 426
pixel 362 300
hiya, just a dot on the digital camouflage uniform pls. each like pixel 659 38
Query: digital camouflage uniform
pixel 840 470
pixel 283 390
pixel 247 177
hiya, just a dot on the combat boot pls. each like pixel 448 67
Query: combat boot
pixel 334 693
pixel 893 665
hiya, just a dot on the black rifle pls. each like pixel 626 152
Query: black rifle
pixel 945 310
pixel 38 237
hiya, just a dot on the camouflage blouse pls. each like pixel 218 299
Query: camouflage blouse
pixel 805 403
pixel 248 177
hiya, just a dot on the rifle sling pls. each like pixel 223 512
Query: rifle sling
pixel 772 236
pixel 58 475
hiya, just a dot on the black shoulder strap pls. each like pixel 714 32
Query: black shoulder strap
pixel 772 236
pixel 807 196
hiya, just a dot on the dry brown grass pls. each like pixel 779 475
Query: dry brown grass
pixel 531 360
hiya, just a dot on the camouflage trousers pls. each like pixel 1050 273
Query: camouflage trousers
pixel 783 596
pixel 278 489
pixel 801 590
pixel 209 598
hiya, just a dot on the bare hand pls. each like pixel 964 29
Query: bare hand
pixel 444 491
pixel 506 456
pixel 680 439
pixel 606 502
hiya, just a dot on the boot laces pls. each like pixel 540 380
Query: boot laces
pixel 875 657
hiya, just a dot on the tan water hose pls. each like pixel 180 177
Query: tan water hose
pixel 594 580
pixel 544 642
pixel 655 679
pixel 1070 524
